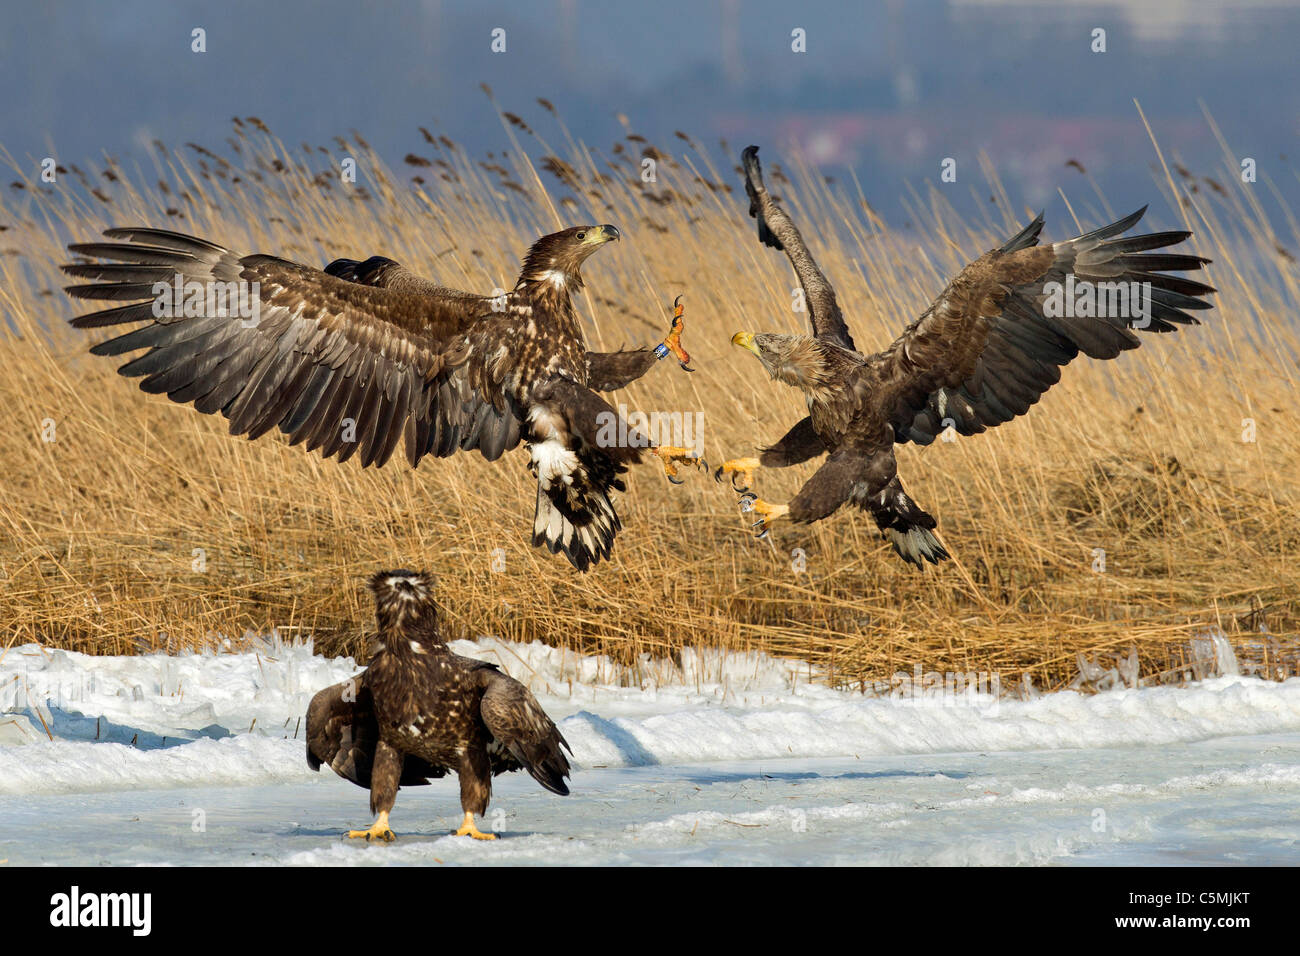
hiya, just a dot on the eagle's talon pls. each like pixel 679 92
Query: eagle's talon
pixel 672 457
pixel 379 830
pixel 467 828
pixel 742 468
pixel 751 503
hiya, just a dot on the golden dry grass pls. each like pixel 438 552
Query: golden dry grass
pixel 1143 457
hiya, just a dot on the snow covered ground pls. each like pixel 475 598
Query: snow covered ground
pixel 198 759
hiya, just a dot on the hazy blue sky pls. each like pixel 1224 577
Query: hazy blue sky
pixel 889 88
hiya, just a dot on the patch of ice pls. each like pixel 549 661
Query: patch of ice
pixel 236 718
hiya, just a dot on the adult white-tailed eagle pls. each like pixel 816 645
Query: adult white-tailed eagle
pixel 356 358
pixel 981 355
pixel 419 711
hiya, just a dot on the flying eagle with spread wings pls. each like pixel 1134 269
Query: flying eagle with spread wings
pixel 353 359
pixel 985 351
pixel 419 711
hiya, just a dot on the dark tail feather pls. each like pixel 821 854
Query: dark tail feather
pixel 907 527
pixel 574 513
pixel 581 524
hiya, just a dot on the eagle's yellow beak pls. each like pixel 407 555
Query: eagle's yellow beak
pixel 745 340
pixel 601 234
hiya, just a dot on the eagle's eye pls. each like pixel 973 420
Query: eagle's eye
pixel 581 236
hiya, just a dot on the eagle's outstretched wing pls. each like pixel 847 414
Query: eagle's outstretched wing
pixel 775 229
pixel 606 371
pixel 340 366
pixel 521 728
pixel 483 425
pixel 987 349
pixel 342 732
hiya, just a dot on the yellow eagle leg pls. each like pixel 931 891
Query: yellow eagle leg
pixel 470 830
pixel 378 831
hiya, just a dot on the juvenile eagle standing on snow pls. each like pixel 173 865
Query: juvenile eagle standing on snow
pixel 355 358
pixel 419 711
pixel 981 355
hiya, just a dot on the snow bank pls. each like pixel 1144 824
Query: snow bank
pixel 71 723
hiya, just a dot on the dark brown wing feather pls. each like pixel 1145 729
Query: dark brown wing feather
pixel 775 229
pixel 985 351
pixel 322 350
pixel 343 734
pixel 521 728
pixel 464 420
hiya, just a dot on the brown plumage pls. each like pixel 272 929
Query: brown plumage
pixel 356 358
pixel 419 711
pixel 985 351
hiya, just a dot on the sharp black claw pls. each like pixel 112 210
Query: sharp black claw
pixel 685 367
pixel 740 489
pixel 717 475
pixel 675 481
pixel 677 301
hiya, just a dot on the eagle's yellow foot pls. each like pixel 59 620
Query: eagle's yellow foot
pixel 378 831
pixel 468 829
pixel 673 343
pixel 742 468
pixel 749 502
pixel 672 456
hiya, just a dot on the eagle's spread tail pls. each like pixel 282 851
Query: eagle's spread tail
pixel 574 513
pixel 909 528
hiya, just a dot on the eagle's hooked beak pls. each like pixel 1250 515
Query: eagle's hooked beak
pixel 745 340
pixel 602 234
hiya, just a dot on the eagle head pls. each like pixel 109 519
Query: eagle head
pixel 798 360
pixel 557 259
pixel 402 596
